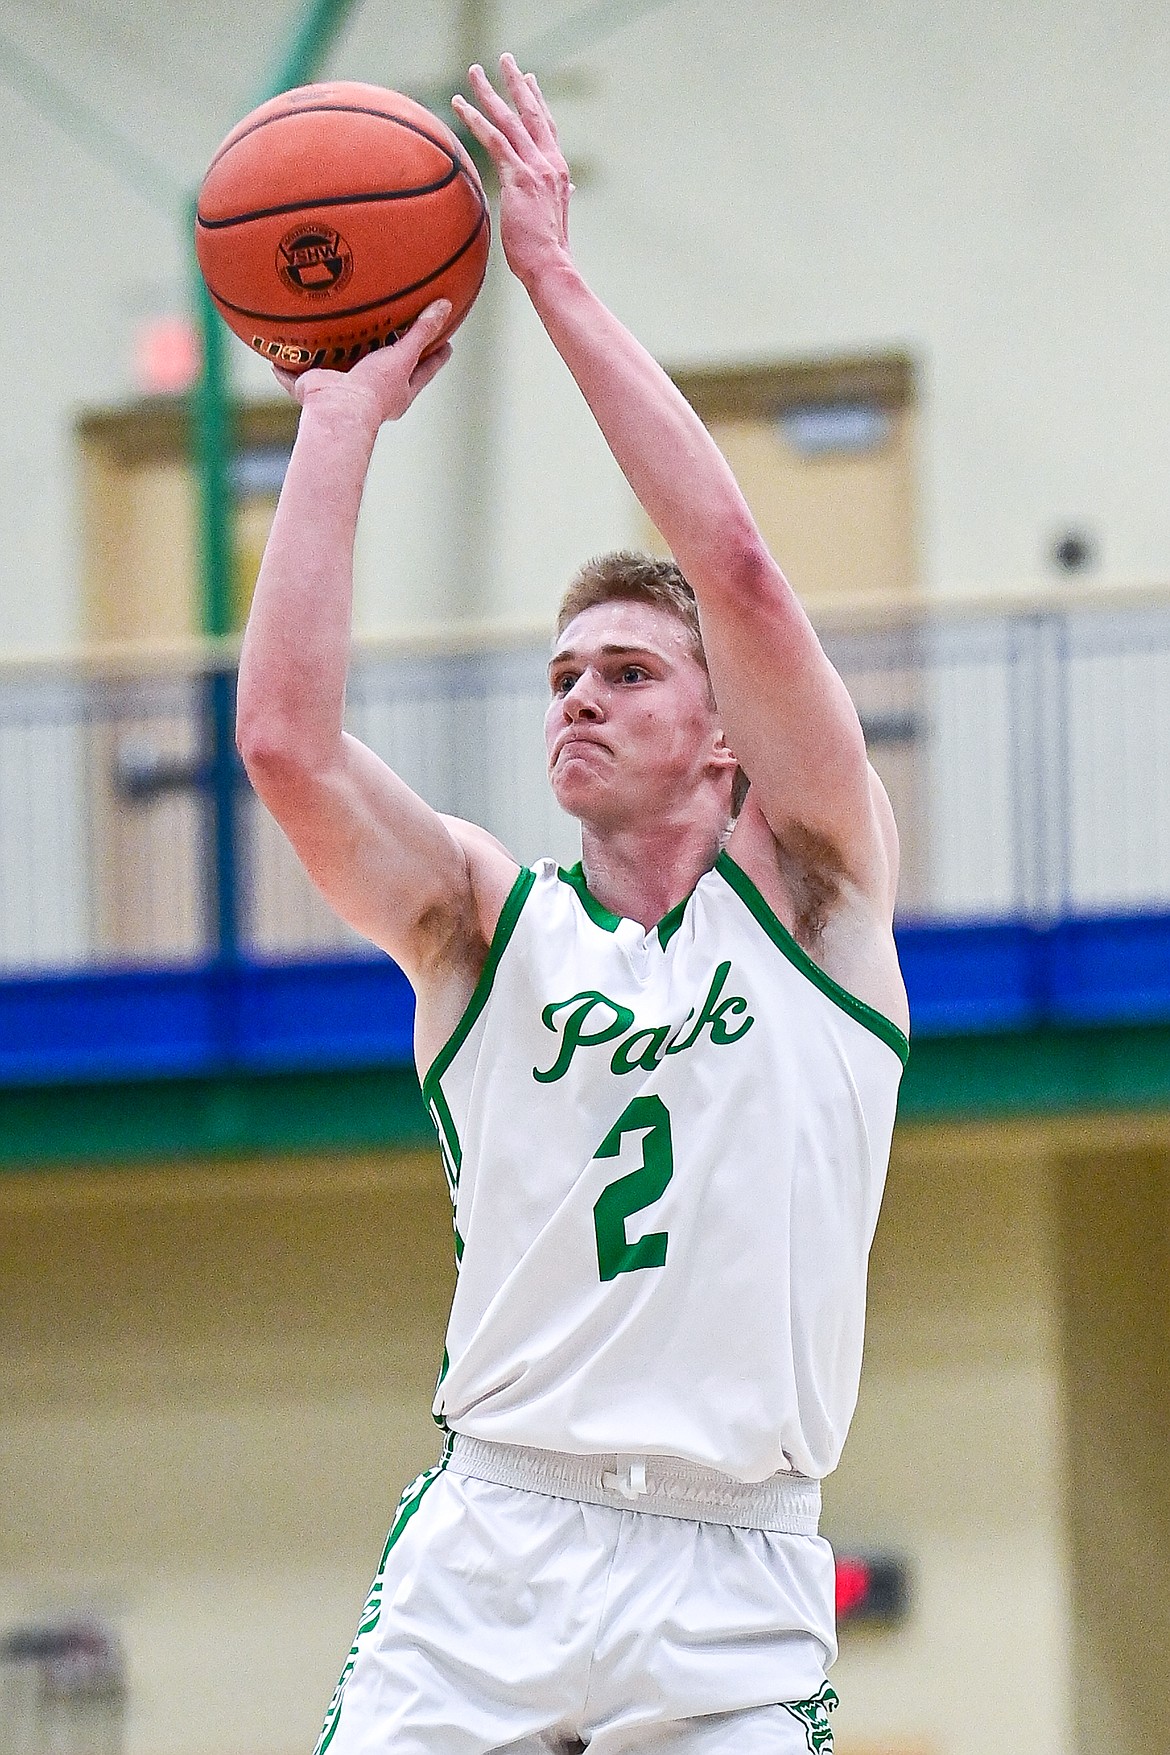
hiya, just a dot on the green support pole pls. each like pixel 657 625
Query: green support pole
pixel 311 42
pixel 212 446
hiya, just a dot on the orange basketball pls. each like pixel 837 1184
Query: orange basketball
pixel 331 216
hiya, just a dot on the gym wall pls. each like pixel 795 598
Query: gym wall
pixel 976 186
pixel 217 1380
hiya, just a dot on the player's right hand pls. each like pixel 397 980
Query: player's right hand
pixel 383 385
pixel 535 187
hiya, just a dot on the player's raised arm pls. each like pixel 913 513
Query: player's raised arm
pixel 785 711
pixel 388 863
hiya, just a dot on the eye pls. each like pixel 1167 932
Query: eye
pixel 633 673
pixel 563 682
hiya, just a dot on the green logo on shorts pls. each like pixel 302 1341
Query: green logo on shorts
pixel 814 1716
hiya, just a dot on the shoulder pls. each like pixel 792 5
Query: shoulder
pixel 844 927
pixel 493 872
pixel 444 988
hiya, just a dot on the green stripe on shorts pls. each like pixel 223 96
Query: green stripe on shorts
pixel 411 1499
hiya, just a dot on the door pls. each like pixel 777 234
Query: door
pixel 143 735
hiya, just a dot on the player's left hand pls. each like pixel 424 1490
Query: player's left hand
pixel 534 178
pixel 383 384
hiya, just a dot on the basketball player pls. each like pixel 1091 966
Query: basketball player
pixel 663 1082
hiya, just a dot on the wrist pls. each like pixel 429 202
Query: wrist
pixel 341 412
pixel 554 276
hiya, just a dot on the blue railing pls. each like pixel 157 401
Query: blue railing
pixel 1027 752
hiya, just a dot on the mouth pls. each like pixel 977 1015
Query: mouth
pixel 574 741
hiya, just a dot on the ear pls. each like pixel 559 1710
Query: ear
pixel 722 754
pixel 727 767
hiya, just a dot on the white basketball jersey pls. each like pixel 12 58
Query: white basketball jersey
pixel 666 1152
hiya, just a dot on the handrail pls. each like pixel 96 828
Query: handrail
pixel 117 659
pixel 1022 737
pixel 837 614
pixel 843 612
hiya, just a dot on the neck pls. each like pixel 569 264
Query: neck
pixel 642 874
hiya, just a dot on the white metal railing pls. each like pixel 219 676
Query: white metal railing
pixel 1025 743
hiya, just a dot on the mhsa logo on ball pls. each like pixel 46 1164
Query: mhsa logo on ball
pixel 312 259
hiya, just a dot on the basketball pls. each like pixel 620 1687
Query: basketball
pixel 331 216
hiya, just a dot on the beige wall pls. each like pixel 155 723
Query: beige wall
pixel 977 185
pixel 955 1459
pixel 1115 1219
pixel 215 1382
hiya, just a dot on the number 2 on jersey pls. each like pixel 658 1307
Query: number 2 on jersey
pixel 627 1195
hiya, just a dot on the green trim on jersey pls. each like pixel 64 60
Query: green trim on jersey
pixel 608 921
pixel 882 1027
pixel 670 922
pixel 600 916
pixel 505 927
pixel 448 1136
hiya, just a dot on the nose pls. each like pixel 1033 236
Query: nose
pixel 582 700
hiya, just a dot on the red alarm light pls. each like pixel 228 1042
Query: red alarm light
pixel 871 1588
pixel 167 355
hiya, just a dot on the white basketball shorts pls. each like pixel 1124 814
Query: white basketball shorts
pixel 555 1619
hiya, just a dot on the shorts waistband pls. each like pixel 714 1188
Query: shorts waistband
pixel 665 1486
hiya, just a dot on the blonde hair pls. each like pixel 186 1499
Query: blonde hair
pixel 626 576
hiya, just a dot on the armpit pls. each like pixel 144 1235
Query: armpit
pixel 449 936
pixel 813 873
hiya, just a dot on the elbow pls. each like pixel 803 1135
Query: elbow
pixel 277 762
pixel 747 573
pixel 255 744
pixel 752 567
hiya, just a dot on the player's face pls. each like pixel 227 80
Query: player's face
pixel 631 730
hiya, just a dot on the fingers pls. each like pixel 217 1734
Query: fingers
pixel 530 105
pixel 549 120
pixel 489 138
pixel 429 323
pixel 419 353
pixel 430 367
pixel 499 149
pixel 392 375
pixel 422 335
pixel 512 137
pixel 503 122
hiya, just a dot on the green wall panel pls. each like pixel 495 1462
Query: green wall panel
pixel 218 1117
pixel 1042 1072
pixel 959 1078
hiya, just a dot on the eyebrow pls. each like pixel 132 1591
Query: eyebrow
pixel 566 655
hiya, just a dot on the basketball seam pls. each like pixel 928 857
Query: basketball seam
pixel 356 310
pixel 331 109
pixel 218 225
